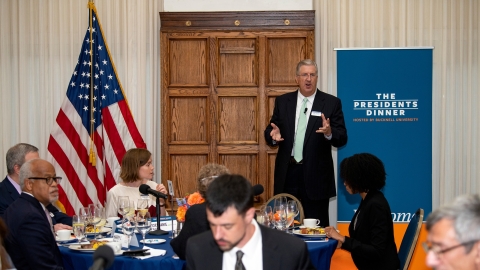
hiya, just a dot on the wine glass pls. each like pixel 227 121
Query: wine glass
pixel 292 212
pixel 128 228
pixel 95 217
pixel 103 219
pixel 142 206
pixel 280 217
pixel 269 215
pixel 143 223
pixel 123 205
pixel 78 224
pixel 84 212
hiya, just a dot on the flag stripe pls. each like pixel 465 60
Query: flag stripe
pixel 95 107
pixel 127 116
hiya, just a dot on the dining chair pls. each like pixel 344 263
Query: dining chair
pixel 409 241
pixel 300 216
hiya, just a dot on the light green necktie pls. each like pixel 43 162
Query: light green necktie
pixel 300 134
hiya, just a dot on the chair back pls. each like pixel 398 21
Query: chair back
pixel 409 241
pixel 300 216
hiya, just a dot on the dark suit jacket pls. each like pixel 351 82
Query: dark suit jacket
pixel 30 241
pixel 280 251
pixel 8 194
pixel 371 242
pixel 318 171
pixel 195 222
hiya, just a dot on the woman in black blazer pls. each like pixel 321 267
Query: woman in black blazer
pixel 371 241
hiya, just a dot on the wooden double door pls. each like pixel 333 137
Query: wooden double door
pixel 221 72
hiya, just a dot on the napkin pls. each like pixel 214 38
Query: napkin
pixel 153 253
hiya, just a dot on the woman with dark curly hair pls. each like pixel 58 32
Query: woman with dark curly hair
pixel 371 241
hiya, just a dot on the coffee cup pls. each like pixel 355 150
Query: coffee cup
pixel 63 235
pixel 116 246
pixel 311 222
pixel 111 220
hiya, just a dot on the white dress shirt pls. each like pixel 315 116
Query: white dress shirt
pixel 253 255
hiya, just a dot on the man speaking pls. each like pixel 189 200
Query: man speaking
pixel 305 125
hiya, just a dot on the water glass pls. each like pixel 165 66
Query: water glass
pixel 143 223
pixel 78 225
pixel 128 228
pixel 123 205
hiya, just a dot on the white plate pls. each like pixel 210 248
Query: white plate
pixel 153 241
pixel 78 247
pixel 103 230
pixel 297 232
pixel 66 241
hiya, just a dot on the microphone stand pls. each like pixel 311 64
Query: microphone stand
pixel 158 231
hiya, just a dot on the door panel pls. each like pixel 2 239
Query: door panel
pixel 219 83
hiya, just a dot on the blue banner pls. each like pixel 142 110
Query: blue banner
pixel 387 102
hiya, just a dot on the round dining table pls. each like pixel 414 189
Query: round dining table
pixel 320 251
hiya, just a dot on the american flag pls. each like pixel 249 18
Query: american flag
pixel 93 129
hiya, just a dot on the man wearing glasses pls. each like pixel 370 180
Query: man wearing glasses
pixel 28 219
pixel 305 125
pixel 10 188
pixel 454 235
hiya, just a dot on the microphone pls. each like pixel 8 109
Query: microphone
pixel 145 189
pixel 305 112
pixel 257 190
pixel 103 258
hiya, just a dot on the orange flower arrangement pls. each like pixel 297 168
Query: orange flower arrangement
pixel 185 203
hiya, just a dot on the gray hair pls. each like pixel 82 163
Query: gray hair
pixel 464 213
pixel 207 174
pixel 26 171
pixel 306 62
pixel 16 155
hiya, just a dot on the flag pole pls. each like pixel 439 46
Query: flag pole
pixel 92 158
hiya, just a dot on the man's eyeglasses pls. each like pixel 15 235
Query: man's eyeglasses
pixel 437 251
pixel 306 75
pixel 49 180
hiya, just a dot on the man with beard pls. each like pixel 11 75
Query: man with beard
pixel 236 241
pixel 31 241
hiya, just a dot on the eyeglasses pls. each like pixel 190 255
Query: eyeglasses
pixel 49 180
pixel 306 75
pixel 437 251
pixel 208 178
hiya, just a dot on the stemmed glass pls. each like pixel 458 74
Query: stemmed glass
pixel 292 212
pixel 265 215
pixel 280 213
pixel 143 223
pixel 280 217
pixel 94 217
pixel 84 212
pixel 269 215
pixel 142 206
pixel 128 228
pixel 103 219
pixel 123 205
pixel 78 224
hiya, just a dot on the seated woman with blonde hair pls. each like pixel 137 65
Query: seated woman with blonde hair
pixel 137 169
pixel 196 216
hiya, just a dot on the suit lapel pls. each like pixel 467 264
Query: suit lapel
pixel 318 105
pixel 291 112
pixel 269 249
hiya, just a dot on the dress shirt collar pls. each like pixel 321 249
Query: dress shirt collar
pixel 15 184
pixel 253 252
pixel 310 99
